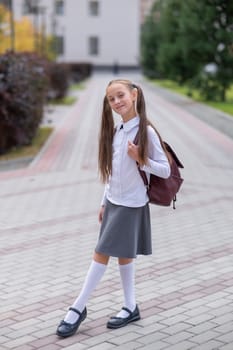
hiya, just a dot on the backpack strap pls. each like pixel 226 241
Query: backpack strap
pixel 143 175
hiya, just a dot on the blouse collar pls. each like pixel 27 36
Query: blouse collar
pixel 127 126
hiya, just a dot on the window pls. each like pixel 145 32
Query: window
pixel 28 9
pixel 94 8
pixel 93 45
pixel 59 42
pixel 59 7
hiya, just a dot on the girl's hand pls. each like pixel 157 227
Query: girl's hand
pixel 133 151
pixel 101 213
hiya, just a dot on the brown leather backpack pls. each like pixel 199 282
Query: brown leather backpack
pixel 163 191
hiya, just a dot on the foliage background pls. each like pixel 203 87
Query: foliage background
pixel 191 42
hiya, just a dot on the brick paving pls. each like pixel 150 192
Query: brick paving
pixel 49 227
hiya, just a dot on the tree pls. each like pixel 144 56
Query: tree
pixel 207 41
pixel 150 42
pixel 193 37
pixel 170 54
pixel 4 29
pixel 24 38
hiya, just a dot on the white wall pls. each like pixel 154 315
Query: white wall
pixel 117 26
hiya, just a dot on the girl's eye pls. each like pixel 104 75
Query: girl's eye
pixel 112 99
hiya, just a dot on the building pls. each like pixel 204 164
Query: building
pixel 146 6
pixel 101 32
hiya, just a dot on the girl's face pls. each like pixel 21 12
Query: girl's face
pixel 122 100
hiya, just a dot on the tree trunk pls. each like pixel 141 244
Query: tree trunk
pixel 223 94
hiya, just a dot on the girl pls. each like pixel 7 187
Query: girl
pixel 124 214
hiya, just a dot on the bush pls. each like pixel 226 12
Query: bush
pixel 23 87
pixel 209 87
pixel 79 71
pixel 59 76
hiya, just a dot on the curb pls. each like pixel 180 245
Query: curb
pixel 12 164
pixel 214 117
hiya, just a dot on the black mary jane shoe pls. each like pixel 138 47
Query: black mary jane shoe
pixel 118 322
pixel 66 329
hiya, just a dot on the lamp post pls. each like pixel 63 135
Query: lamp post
pixel 12 24
pixel 35 11
pixel 43 46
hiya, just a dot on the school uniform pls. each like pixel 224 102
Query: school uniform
pixel 126 229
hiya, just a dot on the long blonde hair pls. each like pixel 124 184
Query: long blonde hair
pixel 107 131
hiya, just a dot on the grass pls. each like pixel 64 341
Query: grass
pixel 69 99
pixel 226 107
pixel 77 86
pixel 65 101
pixel 41 137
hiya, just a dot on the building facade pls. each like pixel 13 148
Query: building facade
pixel 146 6
pixel 101 32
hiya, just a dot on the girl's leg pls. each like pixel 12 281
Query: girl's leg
pixel 94 275
pixel 130 311
pixel 127 274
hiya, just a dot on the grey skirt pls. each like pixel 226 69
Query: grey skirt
pixel 125 232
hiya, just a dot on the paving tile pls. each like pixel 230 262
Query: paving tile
pixel 177 328
pixel 204 337
pixel 226 347
pixel 184 289
pixel 184 345
pixel 77 346
pixel 159 346
pixel 175 320
pixel 179 337
pixel 96 339
pixel 127 337
pixel 51 347
pixel 226 338
pixel 224 318
pixel 200 319
pixel 129 346
pixel 225 328
pixel 152 338
pixel 203 327
pixel 20 341
pixel 210 345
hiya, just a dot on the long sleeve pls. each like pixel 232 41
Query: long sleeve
pixel 104 197
pixel 157 163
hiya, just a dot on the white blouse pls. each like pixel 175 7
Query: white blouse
pixel 125 186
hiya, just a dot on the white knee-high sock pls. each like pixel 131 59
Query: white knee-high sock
pixel 94 275
pixel 128 283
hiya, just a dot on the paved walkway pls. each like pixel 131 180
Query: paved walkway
pixel 49 227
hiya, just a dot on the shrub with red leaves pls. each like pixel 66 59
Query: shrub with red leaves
pixel 23 89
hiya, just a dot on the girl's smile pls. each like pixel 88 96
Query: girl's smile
pixel 122 100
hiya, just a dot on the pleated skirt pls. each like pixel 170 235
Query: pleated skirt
pixel 125 232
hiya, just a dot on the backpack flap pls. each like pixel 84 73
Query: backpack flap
pixel 173 154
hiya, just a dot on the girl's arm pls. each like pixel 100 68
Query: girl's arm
pixel 158 163
pixel 104 198
pixel 103 202
pixel 101 213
